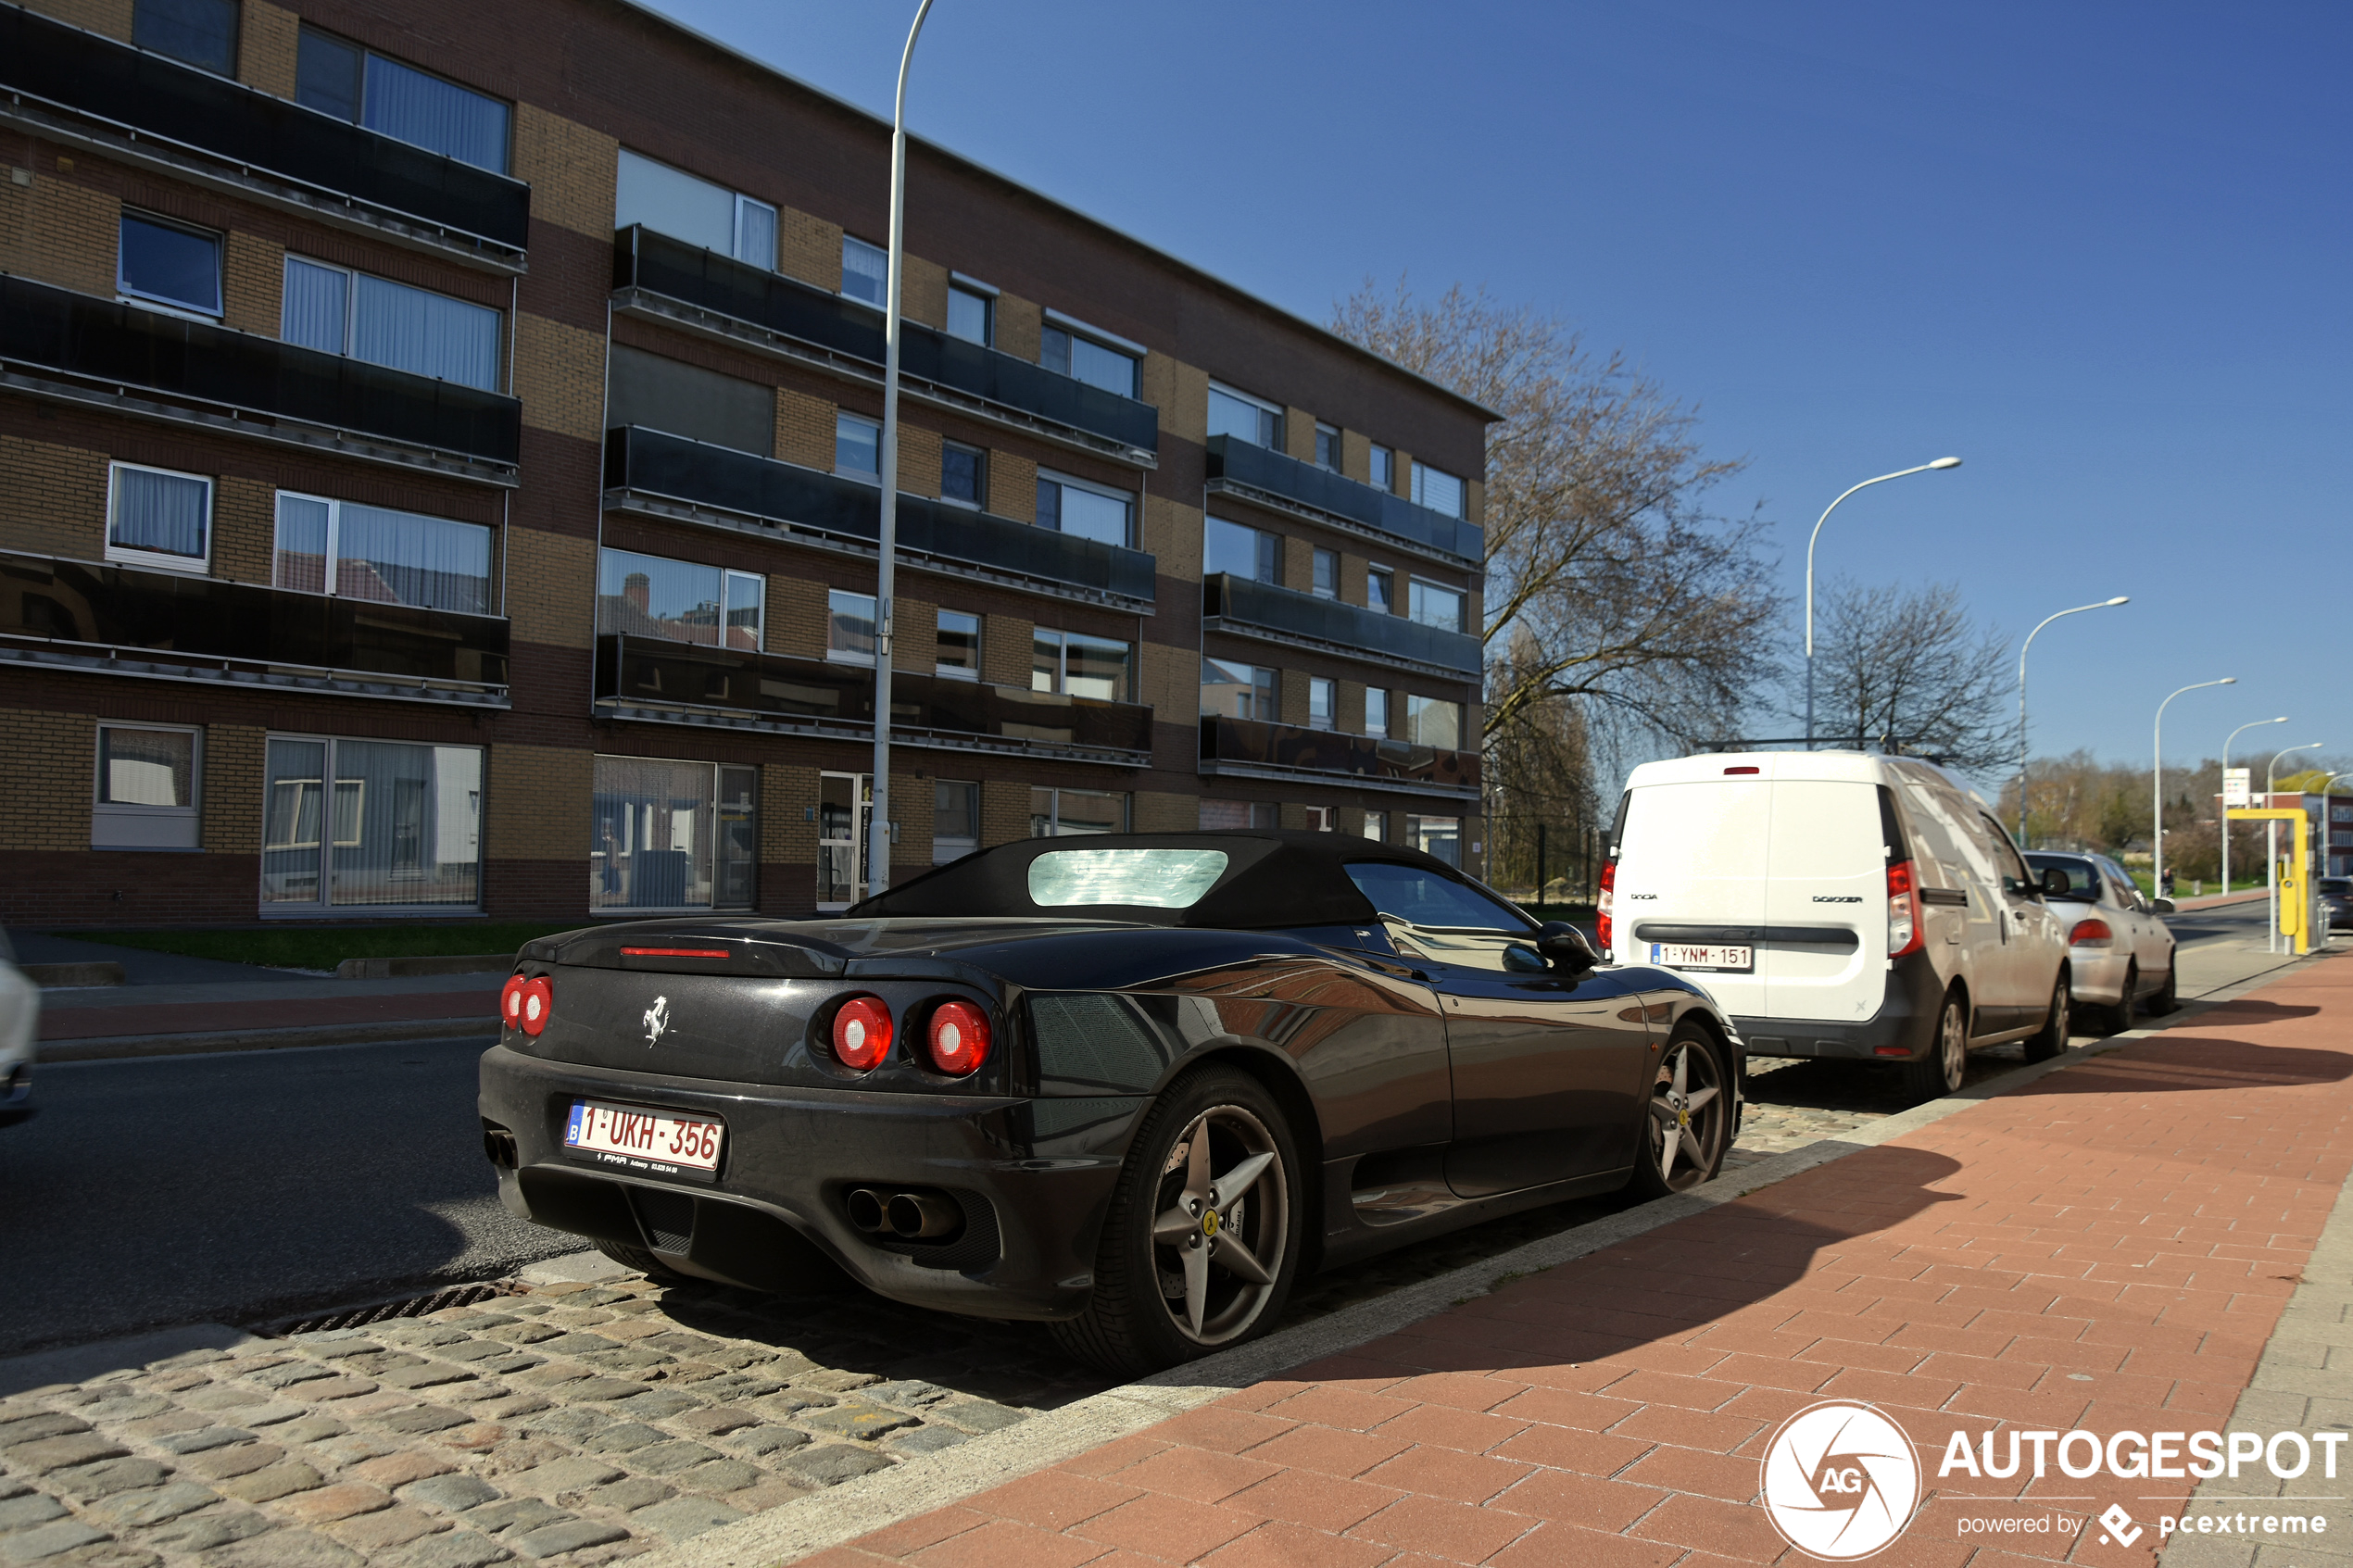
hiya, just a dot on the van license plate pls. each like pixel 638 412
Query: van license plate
pixel 660 1142
pixel 1698 954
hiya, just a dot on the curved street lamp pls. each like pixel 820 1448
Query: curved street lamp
pixel 1810 540
pixel 2104 603
pixel 885 570
pixel 2157 822
pixel 2225 821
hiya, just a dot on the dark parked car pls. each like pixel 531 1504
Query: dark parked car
pixel 1130 1084
pixel 2336 902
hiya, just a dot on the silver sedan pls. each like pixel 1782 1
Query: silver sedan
pixel 19 1026
pixel 2119 952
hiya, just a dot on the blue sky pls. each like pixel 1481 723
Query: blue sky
pixel 2099 251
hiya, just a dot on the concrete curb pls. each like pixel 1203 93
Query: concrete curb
pixel 797 1529
pixel 118 1046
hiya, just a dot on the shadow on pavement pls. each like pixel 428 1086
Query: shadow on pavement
pixel 2173 1064
pixel 2254 1010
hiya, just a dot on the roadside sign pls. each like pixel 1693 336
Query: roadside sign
pixel 2234 787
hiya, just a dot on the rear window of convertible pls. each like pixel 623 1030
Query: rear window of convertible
pixel 1152 879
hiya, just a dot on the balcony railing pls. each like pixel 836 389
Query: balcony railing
pixel 128 620
pixel 114 350
pixel 1239 466
pixel 1248 745
pixel 845 328
pixel 1239 604
pixel 154 103
pixel 724 685
pixel 650 463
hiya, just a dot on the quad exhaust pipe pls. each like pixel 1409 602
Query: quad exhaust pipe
pixel 910 1216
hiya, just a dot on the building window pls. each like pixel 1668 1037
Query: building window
pixel 1320 817
pixel 339 311
pixel 1237 690
pixel 865 270
pixel 1245 417
pixel 963 474
pixel 1380 590
pixel 1376 712
pixel 146 795
pixel 1091 511
pixel 1075 664
pixel 959 640
pixel 1437 490
pixel 202 34
pixel 1430 721
pixel 1327 446
pixel 1236 816
pixel 157 518
pixel 1321 702
pixel 1250 553
pixel 858 446
pixel 845 808
pixel 349 82
pixel 1384 469
pixel 955 820
pixel 1435 606
pixel 849 627
pixel 1376 826
pixel 401 827
pixel 670 395
pixel 686 206
pixel 1439 837
pixel 672 835
pixel 1327 585
pixel 1073 354
pixel 169 264
pixel 679 601
pixel 972 313
pixel 1061 813
pixel 341 548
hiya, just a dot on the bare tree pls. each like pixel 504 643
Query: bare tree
pixel 1608 581
pixel 1910 667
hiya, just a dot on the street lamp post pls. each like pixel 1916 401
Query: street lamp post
pixel 886 568
pixel 1811 539
pixel 2271 845
pixel 2157 824
pixel 2104 603
pixel 2225 819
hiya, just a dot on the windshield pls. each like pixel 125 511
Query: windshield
pixel 1424 897
pixel 1155 879
pixel 2083 878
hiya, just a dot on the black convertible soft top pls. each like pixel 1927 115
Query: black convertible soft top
pixel 1273 880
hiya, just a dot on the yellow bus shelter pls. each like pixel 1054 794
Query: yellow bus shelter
pixel 2295 905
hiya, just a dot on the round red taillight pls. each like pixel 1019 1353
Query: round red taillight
pixel 958 1039
pixel 861 1033
pixel 510 1002
pixel 538 1000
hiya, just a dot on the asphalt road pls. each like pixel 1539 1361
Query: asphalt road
pixel 236 1186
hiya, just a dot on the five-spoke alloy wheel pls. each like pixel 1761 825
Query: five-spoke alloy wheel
pixel 1690 1115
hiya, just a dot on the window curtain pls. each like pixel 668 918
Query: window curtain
pixel 290 806
pixel 425 334
pixel 399 557
pixel 301 560
pixel 163 512
pixel 435 114
pixel 865 270
pixel 406 823
pixel 648 596
pixel 755 233
pixel 315 313
pixel 147 767
pixel 650 835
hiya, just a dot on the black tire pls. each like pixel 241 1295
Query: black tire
pixel 1690 1067
pixel 1174 1224
pixel 1938 1071
pixel 645 1262
pixel 2167 997
pixel 2051 1039
pixel 2118 1019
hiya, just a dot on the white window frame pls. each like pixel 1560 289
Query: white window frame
pixel 335 547
pixel 1125 497
pixel 1410 726
pixel 1375 826
pixel 1072 326
pixel 981 503
pixel 984 293
pixel 1257 402
pixel 958 847
pixel 847 656
pixel 1323 430
pixel 1314 569
pixel 158 561
pixel 186 822
pixel 1382 457
pixel 1320 817
pixel 1462 602
pixel 1061 687
pixel 1462 487
pixel 351 309
pixel 1388 577
pixel 324 904
pixel 1318 686
pixel 186 312
pixel 948 672
pixel 862 475
pixel 741 202
pixel 1126 799
pixel 883 251
pixel 1380 731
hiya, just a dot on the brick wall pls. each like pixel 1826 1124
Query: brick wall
pixel 47 775
pixel 1169 679
pixel 560 375
pixel 58 230
pixel 915 635
pixel 266 42
pixel 1180 392
pixel 1013 485
pixel 805 430
pixel 1172 534
pixel 796 617
pixel 570 168
pixel 1019 322
pixel 1004 651
pixel 243 529
pixel 808 248
pixel 1353 587
pixel 110 17
pixel 551 587
pixel 1356 456
pixel 1291 696
pixel 57 498
pixel 1004 811
pixel 918 459
pixel 253 283
pixel 235 770
pixel 1347 708
pixel 1299 434
pixel 536 803
pixel 922 291
pixel 1299 563
pixel 1154 812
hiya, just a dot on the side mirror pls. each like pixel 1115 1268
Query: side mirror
pixel 1567 946
pixel 2163 906
pixel 2055 882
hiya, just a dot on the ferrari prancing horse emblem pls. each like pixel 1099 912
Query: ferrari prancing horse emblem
pixel 657 1020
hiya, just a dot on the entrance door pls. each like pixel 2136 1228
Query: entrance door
pixel 845 807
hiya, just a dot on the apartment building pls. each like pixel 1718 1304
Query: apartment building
pixel 439 476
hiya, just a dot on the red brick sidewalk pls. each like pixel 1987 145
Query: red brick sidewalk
pixel 2107 1247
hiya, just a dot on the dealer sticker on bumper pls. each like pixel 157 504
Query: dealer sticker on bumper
pixel 1700 955
pixel 660 1142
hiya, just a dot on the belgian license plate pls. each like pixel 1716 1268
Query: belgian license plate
pixel 631 1138
pixel 1702 955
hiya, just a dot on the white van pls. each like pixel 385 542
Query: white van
pixel 1838 904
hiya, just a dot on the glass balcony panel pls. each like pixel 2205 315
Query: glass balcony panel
pixel 82 72
pixel 1240 462
pixel 1262 605
pixel 1250 743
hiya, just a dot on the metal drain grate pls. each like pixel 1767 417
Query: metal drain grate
pixel 383 1311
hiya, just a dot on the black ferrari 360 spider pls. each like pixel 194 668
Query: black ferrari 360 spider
pixel 1130 1084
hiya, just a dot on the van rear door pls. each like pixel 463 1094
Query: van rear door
pixel 1825 956
pixel 1693 857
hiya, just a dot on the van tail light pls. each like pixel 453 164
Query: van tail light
pixel 2090 933
pixel 1906 932
pixel 1605 927
pixel 538 1000
pixel 511 1001
pixel 958 1039
pixel 861 1033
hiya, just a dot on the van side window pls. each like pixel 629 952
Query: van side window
pixel 2016 878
